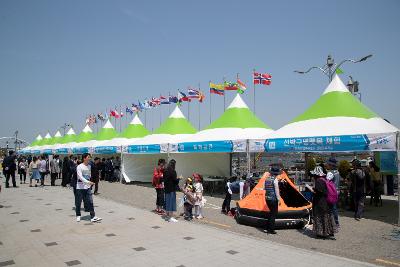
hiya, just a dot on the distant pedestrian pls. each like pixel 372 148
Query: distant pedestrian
pixel 109 169
pixel 188 199
pixel 66 171
pixel 376 178
pixel 158 183
pixel 9 168
pixel 323 219
pixel 95 172
pixel 358 181
pixel 54 169
pixel 102 169
pixel 198 194
pixel 334 176
pixel 272 196
pixel 22 169
pixel 43 169
pixel 171 183
pixel 83 189
pixel 34 173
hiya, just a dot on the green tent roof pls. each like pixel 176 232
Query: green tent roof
pixel 86 135
pixel 46 140
pixel 135 129
pixel 36 141
pixel 69 137
pixel 107 132
pixel 176 124
pixel 238 115
pixel 56 138
pixel 336 101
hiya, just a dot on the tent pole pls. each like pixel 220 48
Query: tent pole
pixel 248 158
pixel 398 173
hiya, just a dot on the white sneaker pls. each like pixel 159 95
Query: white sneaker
pixel 78 218
pixel 199 217
pixel 95 219
pixel 172 219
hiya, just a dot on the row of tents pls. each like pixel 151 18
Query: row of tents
pixel 337 121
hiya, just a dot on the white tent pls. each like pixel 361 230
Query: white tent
pixel 140 156
pixel 337 121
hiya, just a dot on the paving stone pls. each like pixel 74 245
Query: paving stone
pixel 51 244
pixel 72 263
pixel 48 204
pixel 7 207
pixel 111 211
pixel 36 230
pixel 156 227
pixel 109 235
pixel 89 223
pixel 15 212
pixel 181 265
pixel 39 199
pixel 58 209
pixel 232 252
pixel 1 243
pixel 131 219
pixel 139 249
pixel 6 263
pixel 188 238
pixel 23 220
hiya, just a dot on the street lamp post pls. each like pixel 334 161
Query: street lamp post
pixel 16 140
pixel 330 68
pixel 353 87
pixel 65 126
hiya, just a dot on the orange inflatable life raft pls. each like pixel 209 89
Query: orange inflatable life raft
pixel 293 212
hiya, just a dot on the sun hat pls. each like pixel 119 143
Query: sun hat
pixel 318 171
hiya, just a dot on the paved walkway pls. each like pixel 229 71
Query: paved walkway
pixel 38 228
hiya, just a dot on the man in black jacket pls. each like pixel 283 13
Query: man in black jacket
pixel 9 168
pixel 95 174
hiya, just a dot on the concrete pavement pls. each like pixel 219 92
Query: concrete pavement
pixel 38 228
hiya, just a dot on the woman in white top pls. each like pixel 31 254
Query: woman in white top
pixel 34 171
pixel 22 166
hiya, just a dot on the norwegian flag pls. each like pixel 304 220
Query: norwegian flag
pixel 262 78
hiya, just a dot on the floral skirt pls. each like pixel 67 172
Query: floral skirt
pixel 323 224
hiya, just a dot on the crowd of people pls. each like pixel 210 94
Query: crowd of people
pixel 83 174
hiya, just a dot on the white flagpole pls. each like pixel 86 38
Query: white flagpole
pixel 210 99
pixel 199 106
pixel 254 94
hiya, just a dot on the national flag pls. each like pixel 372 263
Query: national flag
pixel 173 99
pixel 146 104
pixel 105 116
pixel 193 93
pixel 201 97
pixel 183 97
pixel 231 86
pixel 155 101
pixel 164 100
pixel 262 78
pixel 217 89
pixel 141 106
pixel 135 108
pixel 114 113
pixel 339 71
pixel 129 110
pixel 241 86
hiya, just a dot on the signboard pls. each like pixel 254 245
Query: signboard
pixel 388 162
pixel 375 142
pixel 143 149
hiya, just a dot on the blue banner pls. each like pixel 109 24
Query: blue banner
pixel 35 151
pixel 144 149
pixel 318 144
pixel 80 150
pixel 105 150
pixel 62 151
pixel 204 147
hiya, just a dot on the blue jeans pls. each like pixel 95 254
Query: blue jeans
pixel 87 197
pixel 335 214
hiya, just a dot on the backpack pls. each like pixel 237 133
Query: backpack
pixel 332 195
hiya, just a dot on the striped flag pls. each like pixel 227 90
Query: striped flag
pixel 217 89
pixel 241 86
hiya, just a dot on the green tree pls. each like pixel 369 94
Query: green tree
pixel 344 168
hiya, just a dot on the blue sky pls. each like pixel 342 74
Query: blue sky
pixel 61 60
